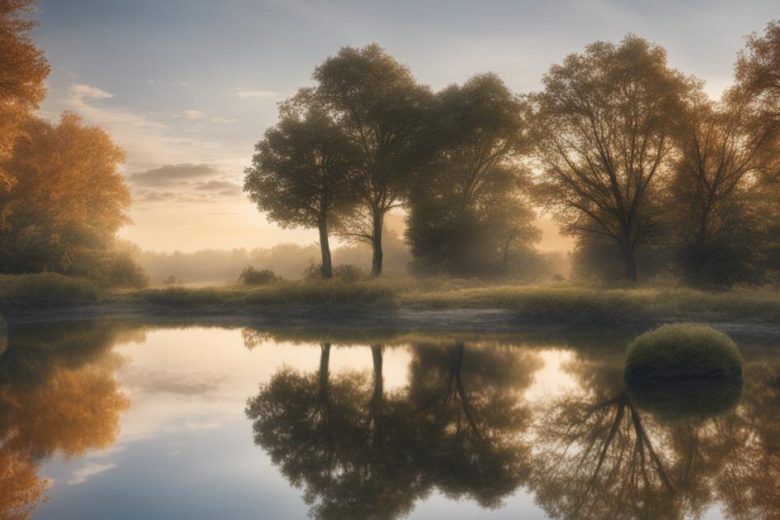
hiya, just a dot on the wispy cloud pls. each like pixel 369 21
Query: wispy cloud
pixel 87 471
pixel 172 174
pixel 194 114
pixel 223 120
pixel 80 90
pixel 245 93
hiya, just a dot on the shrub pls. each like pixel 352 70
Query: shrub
pixel 251 276
pixel 348 273
pixel 46 289
pixel 682 352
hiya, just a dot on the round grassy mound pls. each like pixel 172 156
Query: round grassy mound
pixel 683 352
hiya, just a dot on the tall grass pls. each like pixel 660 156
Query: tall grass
pixel 554 303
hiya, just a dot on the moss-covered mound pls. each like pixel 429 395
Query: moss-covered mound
pixel 684 352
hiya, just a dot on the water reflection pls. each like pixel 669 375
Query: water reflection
pixel 462 426
pixel 57 395
pixel 385 428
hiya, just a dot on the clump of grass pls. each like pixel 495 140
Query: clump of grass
pixel 46 290
pixel 682 352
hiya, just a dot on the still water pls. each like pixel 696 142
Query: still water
pixel 114 420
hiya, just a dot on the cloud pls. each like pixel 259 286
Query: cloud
pixel 170 174
pixel 224 188
pixel 194 114
pixel 83 473
pixel 80 91
pixel 224 120
pixel 182 84
pixel 244 93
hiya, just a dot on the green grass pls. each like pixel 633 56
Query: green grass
pixel 682 352
pixel 553 303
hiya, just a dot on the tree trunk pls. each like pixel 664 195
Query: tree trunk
pixel 376 242
pixel 327 263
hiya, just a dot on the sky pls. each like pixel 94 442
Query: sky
pixel 187 87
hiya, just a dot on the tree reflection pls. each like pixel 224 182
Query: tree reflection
pixel 470 414
pixel 57 395
pixel 616 457
pixel 359 451
pixel 749 483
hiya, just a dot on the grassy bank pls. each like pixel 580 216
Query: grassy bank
pixel 538 302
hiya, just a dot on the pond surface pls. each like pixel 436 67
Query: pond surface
pixel 106 419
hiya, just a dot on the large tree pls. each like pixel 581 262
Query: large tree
pixel 605 120
pixel 723 149
pixel 68 201
pixel 379 105
pixel 23 70
pixel 301 170
pixel 466 213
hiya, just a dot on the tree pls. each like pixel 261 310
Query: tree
pixel 380 106
pixel 23 69
pixel 300 172
pixel 605 122
pixel 68 202
pixel 758 69
pixel 466 214
pixel 722 152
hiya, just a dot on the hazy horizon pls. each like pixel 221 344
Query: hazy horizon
pixel 188 87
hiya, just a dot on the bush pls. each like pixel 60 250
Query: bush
pixel 348 273
pixel 682 352
pixel 46 289
pixel 251 276
pixel 343 272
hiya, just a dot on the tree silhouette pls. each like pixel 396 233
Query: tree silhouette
pixel 380 106
pixel 606 119
pixel 301 169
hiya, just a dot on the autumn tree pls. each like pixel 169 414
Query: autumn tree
pixel 68 202
pixel 723 151
pixel 466 210
pixel 23 70
pixel 605 120
pixel 301 170
pixel 379 105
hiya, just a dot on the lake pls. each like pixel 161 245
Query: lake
pixel 124 420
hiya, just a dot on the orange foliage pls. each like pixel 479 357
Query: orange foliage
pixel 23 69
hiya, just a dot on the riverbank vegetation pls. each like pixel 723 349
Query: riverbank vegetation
pixel 554 303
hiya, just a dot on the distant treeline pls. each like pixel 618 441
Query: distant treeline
pixel 293 262
pixel 633 158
